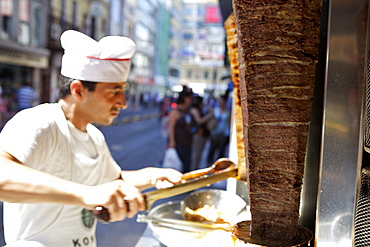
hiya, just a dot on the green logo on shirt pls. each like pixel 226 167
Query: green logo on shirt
pixel 88 218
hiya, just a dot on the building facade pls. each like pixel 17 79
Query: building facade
pixel 203 49
pixel 178 42
pixel 155 26
pixel 91 17
pixel 162 55
pixel 23 52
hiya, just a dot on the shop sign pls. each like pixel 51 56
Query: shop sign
pixel 212 14
pixel 144 80
pixel 6 7
pixel 23 59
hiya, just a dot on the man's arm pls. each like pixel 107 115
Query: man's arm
pixel 21 184
pixel 152 177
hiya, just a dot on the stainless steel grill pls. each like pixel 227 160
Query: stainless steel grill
pixel 362 215
pixel 367 113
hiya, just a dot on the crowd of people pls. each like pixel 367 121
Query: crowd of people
pixel 191 122
pixel 21 98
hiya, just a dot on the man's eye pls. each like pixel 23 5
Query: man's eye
pixel 116 91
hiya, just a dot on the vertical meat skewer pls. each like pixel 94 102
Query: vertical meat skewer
pixel 278 50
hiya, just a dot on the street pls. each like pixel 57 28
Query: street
pixel 138 143
pixel 135 142
pixel 134 145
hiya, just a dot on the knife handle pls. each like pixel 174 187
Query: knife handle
pixel 101 214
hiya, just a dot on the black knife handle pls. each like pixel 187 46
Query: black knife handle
pixel 101 214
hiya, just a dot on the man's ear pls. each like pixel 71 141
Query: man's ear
pixel 77 89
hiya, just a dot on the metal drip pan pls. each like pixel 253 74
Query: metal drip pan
pixel 172 237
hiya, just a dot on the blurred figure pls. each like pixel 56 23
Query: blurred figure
pixel 180 121
pixel 164 107
pixel 25 96
pixel 201 132
pixel 220 135
pixel 2 105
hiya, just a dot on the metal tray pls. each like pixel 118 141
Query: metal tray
pixel 171 237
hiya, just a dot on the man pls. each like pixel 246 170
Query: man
pixel 25 96
pixel 55 166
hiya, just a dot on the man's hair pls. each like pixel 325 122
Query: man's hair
pixel 65 90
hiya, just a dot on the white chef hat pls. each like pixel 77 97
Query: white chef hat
pixel 85 59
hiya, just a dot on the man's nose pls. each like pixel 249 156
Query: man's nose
pixel 122 102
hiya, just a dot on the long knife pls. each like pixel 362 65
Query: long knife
pixel 102 213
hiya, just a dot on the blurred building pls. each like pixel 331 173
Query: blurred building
pixel 91 17
pixel 162 51
pixel 155 26
pixel 203 50
pixel 23 51
pixel 177 43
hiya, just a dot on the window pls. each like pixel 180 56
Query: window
pixel 188 50
pixel 63 6
pixel 190 11
pixel 37 23
pixel 189 74
pixel 24 11
pixel 190 24
pixel 174 72
pixel 188 36
pixel 75 14
pixel 146 6
pixel 141 60
pixel 142 32
pixel 7 18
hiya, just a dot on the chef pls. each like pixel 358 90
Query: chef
pixel 55 166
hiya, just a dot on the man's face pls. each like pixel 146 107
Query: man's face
pixel 102 105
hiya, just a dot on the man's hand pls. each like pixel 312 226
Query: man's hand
pixel 120 198
pixel 150 177
pixel 165 177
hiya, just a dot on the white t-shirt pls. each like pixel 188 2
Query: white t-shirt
pixel 43 139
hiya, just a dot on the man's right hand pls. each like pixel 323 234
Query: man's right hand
pixel 120 198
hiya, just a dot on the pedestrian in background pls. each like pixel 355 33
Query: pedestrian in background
pixel 55 166
pixel 220 135
pixel 180 122
pixel 201 134
pixel 26 96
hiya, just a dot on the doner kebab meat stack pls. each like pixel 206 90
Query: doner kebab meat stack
pixel 278 51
